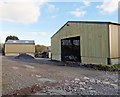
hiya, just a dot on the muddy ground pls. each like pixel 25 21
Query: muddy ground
pixel 45 77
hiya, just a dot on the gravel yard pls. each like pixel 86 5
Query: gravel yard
pixel 44 77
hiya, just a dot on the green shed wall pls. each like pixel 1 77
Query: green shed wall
pixel 93 41
pixel 114 34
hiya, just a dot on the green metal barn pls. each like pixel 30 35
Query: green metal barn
pixel 87 42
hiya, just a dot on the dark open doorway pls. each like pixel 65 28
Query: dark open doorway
pixel 70 49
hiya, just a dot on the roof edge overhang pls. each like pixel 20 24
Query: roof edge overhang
pixel 33 42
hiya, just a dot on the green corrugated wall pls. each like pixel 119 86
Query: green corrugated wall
pixel 93 41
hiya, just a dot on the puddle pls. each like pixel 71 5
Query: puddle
pixel 28 66
pixel 46 80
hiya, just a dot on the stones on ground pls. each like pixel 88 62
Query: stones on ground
pixel 92 80
pixel 30 67
pixel 93 92
pixel 76 87
pixel 106 82
pixel 58 88
pixel 98 81
pixel 15 68
pixel 82 88
pixel 90 88
pixel 44 80
pixel 82 83
pixel 86 78
pixel 115 86
pixel 39 93
pixel 66 84
pixel 38 75
pixel 66 81
pixel 76 80
pixel 86 81
pixel 59 92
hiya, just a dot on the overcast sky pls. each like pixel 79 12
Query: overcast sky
pixel 39 19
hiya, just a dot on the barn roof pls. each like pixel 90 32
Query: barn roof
pixel 86 22
pixel 20 42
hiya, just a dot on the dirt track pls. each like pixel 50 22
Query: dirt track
pixel 43 77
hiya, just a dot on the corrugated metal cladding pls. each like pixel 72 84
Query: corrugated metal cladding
pixel 16 47
pixel 114 34
pixel 95 41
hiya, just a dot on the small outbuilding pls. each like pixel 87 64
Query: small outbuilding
pixel 16 47
pixel 87 42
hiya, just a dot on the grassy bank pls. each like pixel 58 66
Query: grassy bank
pixel 115 67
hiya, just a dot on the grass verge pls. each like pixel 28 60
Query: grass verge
pixel 104 67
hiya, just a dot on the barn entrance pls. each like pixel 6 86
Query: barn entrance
pixel 70 49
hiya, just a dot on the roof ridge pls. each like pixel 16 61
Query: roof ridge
pixel 108 22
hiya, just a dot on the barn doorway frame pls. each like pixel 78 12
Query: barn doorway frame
pixel 70 49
